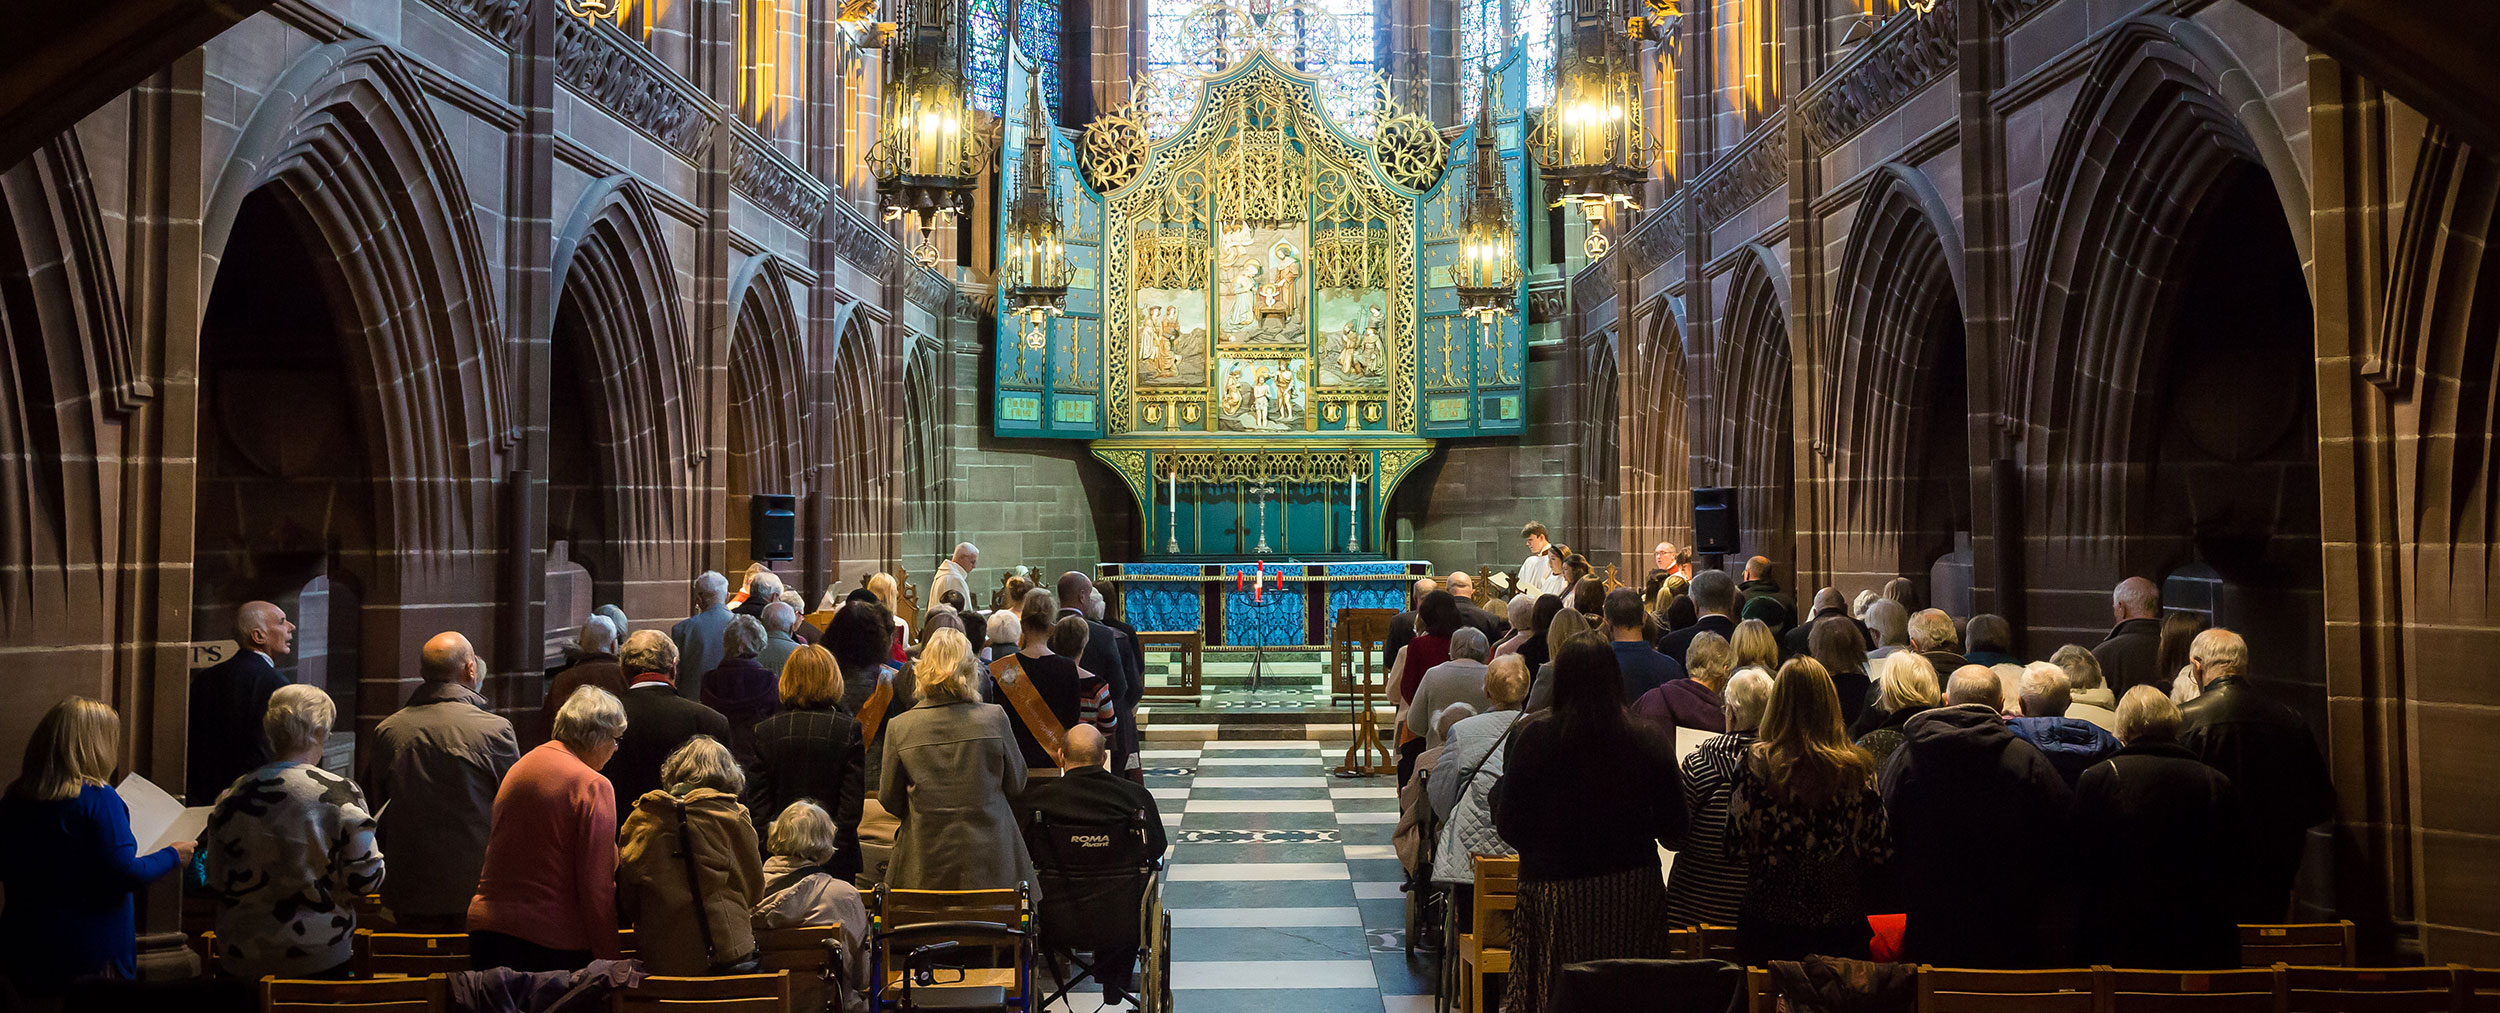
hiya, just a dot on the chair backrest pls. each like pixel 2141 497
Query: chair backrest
pixel 2315 944
pixel 1956 990
pixel 1497 896
pixel 808 953
pixel 2479 987
pixel 736 993
pixel 410 953
pixel 1076 848
pixel 1715 942
pixel 1092 878
pixel 1762 993
pixel 893 913
pixel 2371 989
pixel 2246 990
pixel 429 994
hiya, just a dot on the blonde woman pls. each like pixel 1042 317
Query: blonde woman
pixel 67 857
pixel 890 595
pixel 812 750
pixel 1756 646
pixel 1805 820
pixel 1908 686
pixel 950 767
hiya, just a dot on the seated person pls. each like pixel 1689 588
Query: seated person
pixel 695 819
pixel 800 890
pixel 1088 792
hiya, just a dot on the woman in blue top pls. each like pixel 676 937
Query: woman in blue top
pixel 67 858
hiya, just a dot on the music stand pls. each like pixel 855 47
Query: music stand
pixel 1351 643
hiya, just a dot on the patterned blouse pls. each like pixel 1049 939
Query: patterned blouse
pixel 1806 868
pixel 1706 885
pixel 289 851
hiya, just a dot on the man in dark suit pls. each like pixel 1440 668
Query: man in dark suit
pixel 1136 651
pixel 763 589
pixel 1402 625
pixel 2272 759
pixel 2131 655
pixel 1827 605
pixel 1106 655
pixel 1463 587
pixel 229 698
pixel 1714 596
pixel 657 720
pixel 1088 793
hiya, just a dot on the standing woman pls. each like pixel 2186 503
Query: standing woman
pixel 1807 822
pixel 546 899
pixel 1756 646
pixel 67 858
pixel 1587 795
pixel 1835 643
pixel 951 767
pixel 811 751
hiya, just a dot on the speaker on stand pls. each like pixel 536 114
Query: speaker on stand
pixel 1714 526
pixel 773 527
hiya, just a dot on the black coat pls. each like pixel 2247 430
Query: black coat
pixel 2131 657
pixel 2159 831
pixel 228 700
pixel 1976 814
pixel 1094 795
pixel 1587 807
pixel 811 753
pixel 2270 756
pixel 1796 643
pixel 656 723
pixel 1676 644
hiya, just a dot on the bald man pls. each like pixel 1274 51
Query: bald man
pixel 1402 625
pixel 229 698
pixel 431 773
pixel 2131 654
pixel 1090 794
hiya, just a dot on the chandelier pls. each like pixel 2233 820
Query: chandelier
pixel 1591 149
pixel 1488 233
pixel 1034 261
pixel 930 150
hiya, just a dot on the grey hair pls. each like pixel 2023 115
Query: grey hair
pixel 2083 671
pixel 1932 630
pixel 1859 604
pixel 965 548
pixel 598 635
pixel 592 717
pixel 1974 684
pixel 1713 593
pixel 1522 611
pixel 711 588
pixel 742 638
pixel 780 617
pixel 2046 691
pixel 616 618
pixel 2146 714
pixel 804 832
pixel 1891 622
pixel 648 651
pixel 703 763
pixel 299 717
pixel 1004 627
pixel 1452 715
pixel 1745 696
pixel 2224 653
pixel 764 584
pixel 1469 643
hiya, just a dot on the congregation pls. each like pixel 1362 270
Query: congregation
pixel 1859 779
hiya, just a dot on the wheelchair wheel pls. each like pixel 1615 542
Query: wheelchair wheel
pixel 1160 999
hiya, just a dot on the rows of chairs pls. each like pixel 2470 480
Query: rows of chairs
pixel 2288 969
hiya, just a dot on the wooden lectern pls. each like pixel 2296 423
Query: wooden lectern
pixel 1354 655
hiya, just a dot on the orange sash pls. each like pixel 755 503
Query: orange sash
pixel 872 711
pixel 1008 673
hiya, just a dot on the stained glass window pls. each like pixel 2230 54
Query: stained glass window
pixel 985 57
pixel 1186 40
pixel 1037 33
pixel 1484 37
pixel 1536 25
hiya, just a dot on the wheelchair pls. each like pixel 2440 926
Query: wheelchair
pixel 1102 894
pixel 951 950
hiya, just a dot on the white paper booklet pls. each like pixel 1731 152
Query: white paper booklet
pixel 157 819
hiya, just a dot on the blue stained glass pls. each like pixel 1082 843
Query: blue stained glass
pixel 1536 24
pixel 985 60
pixel 1331 40
pixel 1037 33
pixel 1484 39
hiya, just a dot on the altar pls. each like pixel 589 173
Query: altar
pixel 1258 603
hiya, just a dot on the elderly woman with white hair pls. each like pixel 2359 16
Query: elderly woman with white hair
pixel 546 897
pixel 1705 887
pixel 594 664
pixel 290 848
pixel 801 889
pixel 950 767
pixel 688 868
pixel 2144 818
pixel 1521 612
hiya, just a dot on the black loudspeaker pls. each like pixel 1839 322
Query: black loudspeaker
pixel 773 527
pixel 1714 521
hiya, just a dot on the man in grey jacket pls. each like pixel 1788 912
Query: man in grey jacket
pixel 431 778
pixel 698 635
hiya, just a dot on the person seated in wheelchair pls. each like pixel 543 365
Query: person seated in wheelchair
pixel 1095 837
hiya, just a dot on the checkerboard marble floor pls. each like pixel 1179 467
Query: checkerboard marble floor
pixel 1282 885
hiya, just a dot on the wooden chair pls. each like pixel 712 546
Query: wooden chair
pixel 737 993
pixel 2322 944
pixel 999 922
pixel 625 946
pixel 1484 950
pixel 1955 990
pixel 1715 942
pixel 2244 990
pixel 2370 989
pixel 405 954
pixel 814 956
pixel 429 994
pixel 1762 992
pixel 2480 988
pixel 1686 942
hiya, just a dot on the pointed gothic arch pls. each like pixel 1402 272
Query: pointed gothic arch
pixel 768 409
pixel 1752 432
pixel 1657 448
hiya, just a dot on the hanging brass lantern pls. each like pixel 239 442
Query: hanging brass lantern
pixel 1033 266
pixel 1591 148
pixel 930 147
pixel 1488 231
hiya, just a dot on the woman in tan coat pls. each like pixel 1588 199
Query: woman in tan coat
pixel 950 767
pixel 657 890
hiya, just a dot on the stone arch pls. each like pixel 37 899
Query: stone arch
pixel 768 409
pixel 1897 502
pixel 616 343
pixel 924 442
pixel 2165 118
pixel 1752 445
pixel 348 144
pixel 1657 449
pixel 863 449
pixel 1598 496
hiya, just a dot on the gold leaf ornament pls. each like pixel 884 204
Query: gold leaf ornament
pixel 1115 150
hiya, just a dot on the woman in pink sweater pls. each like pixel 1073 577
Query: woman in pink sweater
pixel 546 900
